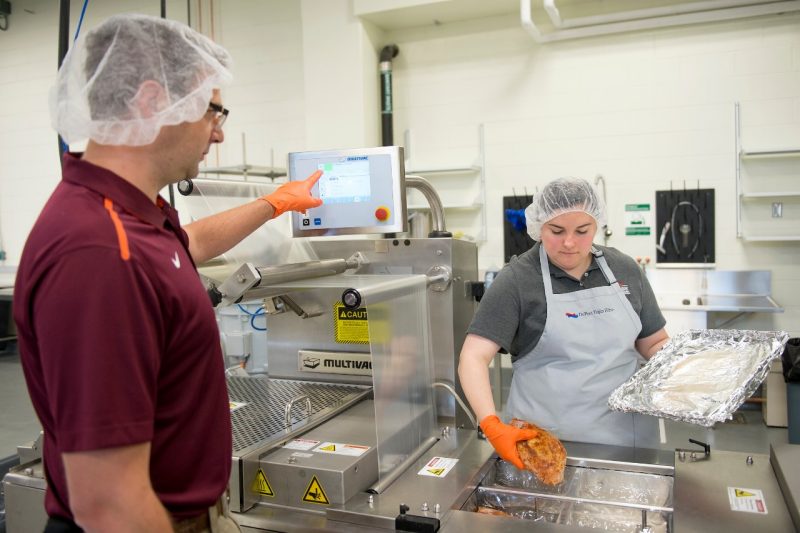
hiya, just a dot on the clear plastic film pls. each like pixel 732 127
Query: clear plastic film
pixel 270 244
pixel 402 369
pixel 701 376
pixel 586 498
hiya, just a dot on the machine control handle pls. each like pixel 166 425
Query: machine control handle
pixel 214 295
pixel 290 404
pixel 415 523
pixel 706 447
pixel 351 298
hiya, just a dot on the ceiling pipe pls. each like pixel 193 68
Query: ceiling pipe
pixel 636 14
pixel 388 53
pixel 680 19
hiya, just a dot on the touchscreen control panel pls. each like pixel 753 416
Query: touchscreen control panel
pixel 362 190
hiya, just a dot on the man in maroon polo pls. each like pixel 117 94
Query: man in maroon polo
pixel 117 336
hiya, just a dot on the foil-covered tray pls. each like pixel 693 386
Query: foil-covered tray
pixel 701 376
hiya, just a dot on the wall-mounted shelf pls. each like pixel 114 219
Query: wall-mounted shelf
pixel 770 169
pixel 445 170
pixel 765 154
pixel 771 194
pixel 246 170
pixel 461 186
pixel 454 207
pixel 771 238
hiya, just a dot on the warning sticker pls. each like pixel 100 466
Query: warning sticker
pixel 438 467
pixel 351 325
pixel 301 444
pixel 747 500
pixel 338 448
pixel 315 493
pixel 261 485
pixel 236 405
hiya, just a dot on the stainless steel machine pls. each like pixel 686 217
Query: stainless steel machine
pixel 358 424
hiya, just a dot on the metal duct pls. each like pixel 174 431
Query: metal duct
pixel 388 53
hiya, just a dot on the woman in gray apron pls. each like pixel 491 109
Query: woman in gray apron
pixel 577 319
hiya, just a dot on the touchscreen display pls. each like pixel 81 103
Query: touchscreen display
pixel 362 190
pixel 345 181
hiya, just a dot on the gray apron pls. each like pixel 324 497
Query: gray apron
pixel 585 352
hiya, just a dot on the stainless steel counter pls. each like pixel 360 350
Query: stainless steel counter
pixel 732 303
pixel 703 502
pixel 735 291
pixel 785 460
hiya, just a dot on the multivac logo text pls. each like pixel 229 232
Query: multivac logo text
pixel 593 312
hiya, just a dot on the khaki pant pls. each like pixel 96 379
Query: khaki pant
pixel 220 519
pixel 217 519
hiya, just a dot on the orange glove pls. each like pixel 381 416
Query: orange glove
pixel 294 196
pixel 504 438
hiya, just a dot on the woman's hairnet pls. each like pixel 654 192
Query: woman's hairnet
pixel 564 195
pixel 97 92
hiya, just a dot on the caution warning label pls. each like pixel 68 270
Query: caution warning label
pixel 747 500
pixel 438 467
pixel 315 493
pixel 351 324
pixel 301 444
pixel 235 405
pixel 261 485
pixel 339 448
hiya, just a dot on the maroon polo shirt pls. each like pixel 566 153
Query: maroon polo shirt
pixel 118 339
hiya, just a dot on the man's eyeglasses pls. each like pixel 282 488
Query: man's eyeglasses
pixel 220 114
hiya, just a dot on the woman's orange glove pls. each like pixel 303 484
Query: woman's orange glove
pixel 294 196
pixel 504 438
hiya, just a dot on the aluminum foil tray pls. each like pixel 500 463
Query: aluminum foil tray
pixel 701 376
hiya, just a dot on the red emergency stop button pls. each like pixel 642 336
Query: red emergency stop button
pixel 382 213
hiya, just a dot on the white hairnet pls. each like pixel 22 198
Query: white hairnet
pixel 564 195
pixel 96 95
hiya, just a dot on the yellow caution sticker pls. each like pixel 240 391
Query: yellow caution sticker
pixel 351 325
pixel 261 485
pixel 339 448
pixel 747 500
pixel 438 467
pixel 235 405
pixel 315 493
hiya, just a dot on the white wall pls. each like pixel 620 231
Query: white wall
pixel 642 109
pixel 266 100
pixel 645 110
